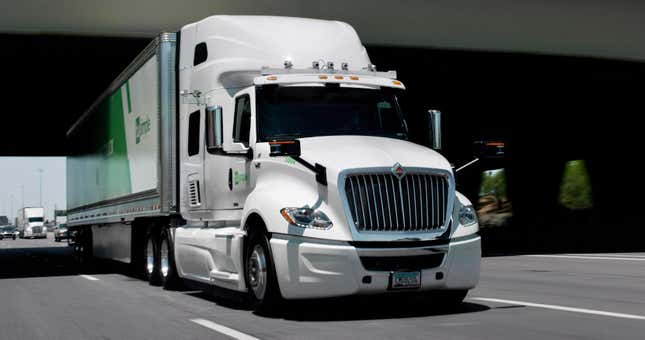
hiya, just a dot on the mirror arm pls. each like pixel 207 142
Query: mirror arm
pixel 467 164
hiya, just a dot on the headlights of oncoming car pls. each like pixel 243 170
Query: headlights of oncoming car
pixel 467 215
pixel 306 217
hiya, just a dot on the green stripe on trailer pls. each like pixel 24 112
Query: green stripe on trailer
pixel 127 91
pixel 116 150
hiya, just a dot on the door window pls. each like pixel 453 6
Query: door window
pixel 242 125
pixel 193 133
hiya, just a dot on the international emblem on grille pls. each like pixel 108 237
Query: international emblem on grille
pixel 398 171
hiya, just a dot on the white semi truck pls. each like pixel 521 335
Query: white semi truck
pixel 30 222
pixel 267 155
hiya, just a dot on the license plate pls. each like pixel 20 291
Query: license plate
pixel 403 280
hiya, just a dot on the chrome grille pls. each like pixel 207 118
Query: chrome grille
pixel 381 202
pixel 37 230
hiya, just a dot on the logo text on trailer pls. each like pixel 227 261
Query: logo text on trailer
pixel 398 171
pixel 142 128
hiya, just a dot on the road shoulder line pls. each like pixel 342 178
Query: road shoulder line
pixel 89 277
pixel 562 308
pixel 589 257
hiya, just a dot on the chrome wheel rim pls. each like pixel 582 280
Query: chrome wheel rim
pixel 257 272
pixel 150 258
pixel 164 258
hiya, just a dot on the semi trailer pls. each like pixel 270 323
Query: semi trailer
pixel 30 222
pixel 267 155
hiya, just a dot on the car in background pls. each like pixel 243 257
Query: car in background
pixel 61 233
pixel 9 232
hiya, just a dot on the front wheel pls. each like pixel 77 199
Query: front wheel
pixel 261 280
pixel 447 298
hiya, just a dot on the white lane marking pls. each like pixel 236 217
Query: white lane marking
pixel 223 329
pixel 89 277
pixel 589 257
pixel 610 255
pixel 563 308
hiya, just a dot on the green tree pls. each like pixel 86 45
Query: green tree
pixel 493 183
pixel 575 189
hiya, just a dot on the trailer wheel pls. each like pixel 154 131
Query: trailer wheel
pixel 151 261
pixel 83 247
pixel 261 281
pixel 168 270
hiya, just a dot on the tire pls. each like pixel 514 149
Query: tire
pixel 168 270
pixel 259 272
pixel 151 262
pixel 450 298
pixel 83 248
pixel 1 237
pixel 56 239
pixel 14 237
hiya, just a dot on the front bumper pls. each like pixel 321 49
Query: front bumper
pixel 312 268
pixel 35 235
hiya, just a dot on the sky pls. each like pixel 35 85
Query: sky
pixel 16 172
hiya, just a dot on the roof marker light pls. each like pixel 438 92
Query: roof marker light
pixel 396 82
pixel 353 78
pixel 272 78
pixel 322 77
pixel 339 77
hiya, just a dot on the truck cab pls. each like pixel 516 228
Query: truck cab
pixel 30 223
pixel 297 176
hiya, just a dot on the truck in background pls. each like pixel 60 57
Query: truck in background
pixel 30 222
pixel 267 155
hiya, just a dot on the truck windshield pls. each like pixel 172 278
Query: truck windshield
pixel 287 112
pixel 35 219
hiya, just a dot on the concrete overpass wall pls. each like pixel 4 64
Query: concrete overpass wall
pixel 612 29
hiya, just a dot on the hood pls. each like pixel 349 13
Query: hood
pixel 350 152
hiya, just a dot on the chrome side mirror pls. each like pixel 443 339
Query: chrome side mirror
pixel 435 126
pixel 214 138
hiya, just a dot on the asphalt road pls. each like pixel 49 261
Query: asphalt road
pixel 569 296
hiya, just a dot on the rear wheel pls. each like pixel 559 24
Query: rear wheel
pixel 168 269
pixel 151 270
pixel 261 280
pixel 83 247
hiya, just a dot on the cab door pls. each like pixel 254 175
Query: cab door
pixel 192 170
pixel 227 169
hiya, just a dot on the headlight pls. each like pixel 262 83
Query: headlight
pixel 467 215
pixel 306 217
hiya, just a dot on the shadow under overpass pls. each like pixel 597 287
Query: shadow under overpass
pixel 547 109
